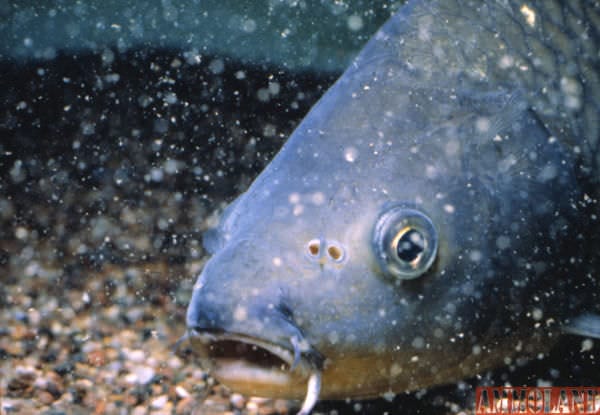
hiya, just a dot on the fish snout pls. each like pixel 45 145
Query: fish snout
pixel 250 343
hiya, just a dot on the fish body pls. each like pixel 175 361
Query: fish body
pixel 433 215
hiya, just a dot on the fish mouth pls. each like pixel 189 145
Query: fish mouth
pixel 260 367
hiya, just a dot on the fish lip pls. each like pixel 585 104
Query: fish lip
pixel 210 337
pixel 283 365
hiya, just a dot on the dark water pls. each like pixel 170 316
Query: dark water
pixel 84 138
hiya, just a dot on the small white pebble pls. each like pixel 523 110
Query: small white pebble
pixel 175 362
pixel 159 402
pixel 136 356
pixel 131 378
pixel 181 392
pixel 139 410
pixel 144 374
pixel 237 401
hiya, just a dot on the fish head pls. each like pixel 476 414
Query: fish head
pixel 392 244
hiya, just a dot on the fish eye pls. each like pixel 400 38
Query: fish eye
pixel 405 242
pixel 409 244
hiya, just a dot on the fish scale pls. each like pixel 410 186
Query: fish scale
pixel 543 58
pixel 439 200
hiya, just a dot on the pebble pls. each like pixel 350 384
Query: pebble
pixel 181 392
pixel 51 383
pixel 13 348
pixel 21 384
pixel 237 401
pixel 12 405
pixel 34 317
pixel 45 397
pixel 144 374
pixel 80 389
pixel 159 402
pixel 252 407
pixel 281 406
pixel 22 332
pixel 136 356
pixel 139 410
pixel 175 362
pixel 134 314
pixel 185 406
pixel 96 358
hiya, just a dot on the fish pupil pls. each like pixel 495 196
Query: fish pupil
pixel 410 246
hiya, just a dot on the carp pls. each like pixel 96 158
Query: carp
pixel 434 214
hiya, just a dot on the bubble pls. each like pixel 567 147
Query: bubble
pixel 249 25
pixel 587 345
pixel 17 172
pixel 120 176
pixel 156 174
pixel 240 313
pixel 506 61
pixel 171 166
pixel 294 198
pixel 482 124
pixel 418 342
pixel 502 242
pixel 355 23
pixel 108 56
pixel 318 198
pixel 269 130
pixel 350 154
pixel 395 370
pixel 274 88
pixel 21 233
pixel 263 95
pixel 389 396
pixel 547 173
pixel 216 66
pixel 431 171
pixel 88 128
pixel 528 14
pixel 170 98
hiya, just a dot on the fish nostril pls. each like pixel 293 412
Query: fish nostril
pixel 335 252
pixel 324 250
pixel 314 247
